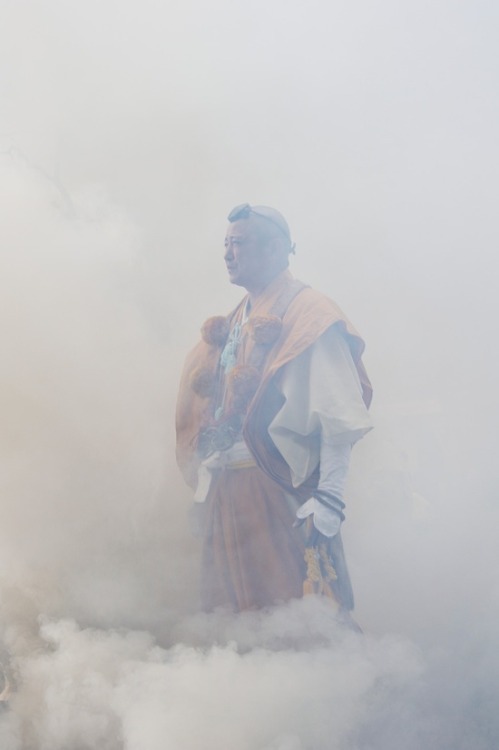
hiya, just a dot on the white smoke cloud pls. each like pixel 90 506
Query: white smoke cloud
pixel 128 132
pixel 85 389
pixel 289 679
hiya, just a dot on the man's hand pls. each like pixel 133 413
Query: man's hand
pixel 326 511
pixel 326 520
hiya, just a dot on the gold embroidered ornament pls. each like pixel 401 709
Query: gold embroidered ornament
pixel 320 571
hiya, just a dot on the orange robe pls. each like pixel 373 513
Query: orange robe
pixel 252 555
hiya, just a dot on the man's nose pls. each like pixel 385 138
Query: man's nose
pixel 229 254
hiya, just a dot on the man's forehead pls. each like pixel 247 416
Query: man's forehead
pixel 241 228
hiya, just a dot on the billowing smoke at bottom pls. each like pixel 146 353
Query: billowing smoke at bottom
pixel 288 679
pixel 97 579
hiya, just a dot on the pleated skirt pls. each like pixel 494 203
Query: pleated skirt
pixel 252 555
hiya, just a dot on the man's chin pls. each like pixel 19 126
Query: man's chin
pixel 234 279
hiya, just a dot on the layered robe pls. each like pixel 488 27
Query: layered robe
pixel 251 485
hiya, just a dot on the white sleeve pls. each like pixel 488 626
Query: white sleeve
pixel 334 463
pixel 323 408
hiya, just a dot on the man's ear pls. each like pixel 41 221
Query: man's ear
pixel 278 252
pixel 274 246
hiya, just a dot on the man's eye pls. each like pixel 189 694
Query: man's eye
pixel 233 242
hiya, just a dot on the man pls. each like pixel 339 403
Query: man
pixel 271 401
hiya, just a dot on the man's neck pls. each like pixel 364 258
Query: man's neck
pixel 255 292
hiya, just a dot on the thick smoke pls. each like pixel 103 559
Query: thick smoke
pixel 128 132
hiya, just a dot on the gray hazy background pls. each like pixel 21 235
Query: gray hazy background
pixel 128 131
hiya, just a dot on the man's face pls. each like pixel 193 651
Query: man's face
pixel 246 255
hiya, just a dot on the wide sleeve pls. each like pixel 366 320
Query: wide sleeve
pixel 322 402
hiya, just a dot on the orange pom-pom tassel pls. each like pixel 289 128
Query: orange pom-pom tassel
pixel 203 382
pixel 265 329
pixel 215 331
pixel 242 383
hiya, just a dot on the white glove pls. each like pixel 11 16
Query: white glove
pixel 326 504
pixel 326 519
